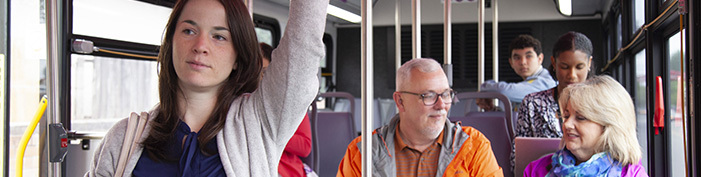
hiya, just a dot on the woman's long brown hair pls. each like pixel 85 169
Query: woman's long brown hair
pixel 244 79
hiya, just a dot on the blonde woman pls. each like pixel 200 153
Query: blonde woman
pixel 598 133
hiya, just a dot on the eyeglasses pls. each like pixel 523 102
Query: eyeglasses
pixel 430 98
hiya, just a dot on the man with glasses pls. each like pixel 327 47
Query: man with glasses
pixel 526 59
pixel 420 140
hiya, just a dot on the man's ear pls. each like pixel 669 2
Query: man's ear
pixel 540 58
pixel 398 101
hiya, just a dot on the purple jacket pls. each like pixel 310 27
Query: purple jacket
pixel 539 168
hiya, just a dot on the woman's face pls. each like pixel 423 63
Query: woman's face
pixel 203 52
pixel 571 67
pixel 579 133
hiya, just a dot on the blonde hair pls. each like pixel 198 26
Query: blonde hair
pixel 425 65
pixel 604 101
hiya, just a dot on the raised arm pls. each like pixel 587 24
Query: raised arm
pixel 291 82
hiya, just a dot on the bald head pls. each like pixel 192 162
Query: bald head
pixel 424 65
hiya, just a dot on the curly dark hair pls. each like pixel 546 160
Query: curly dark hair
pixel 524 41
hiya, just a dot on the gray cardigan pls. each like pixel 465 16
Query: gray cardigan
pixel 259 124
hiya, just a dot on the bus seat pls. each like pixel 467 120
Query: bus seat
pixel 494 127
pixel 313 158
pixel 463 105
pixel 529 149
pixel 343 105
pixel 333 132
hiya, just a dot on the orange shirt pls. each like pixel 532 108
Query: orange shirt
pixel 411 162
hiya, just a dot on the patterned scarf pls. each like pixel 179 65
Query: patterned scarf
pixel 599 164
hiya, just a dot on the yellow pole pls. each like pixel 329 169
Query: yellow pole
pixel 28 134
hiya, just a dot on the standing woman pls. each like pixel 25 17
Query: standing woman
pixel 571 63
pixel 599 133
pixel 208 123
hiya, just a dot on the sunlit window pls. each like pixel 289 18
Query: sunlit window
pixel 3 79
pixel 638 15
pixel 105 90
pixel 126 20
pixel 264 35
pixel 28 46
pixel 641 103
pixel 674 86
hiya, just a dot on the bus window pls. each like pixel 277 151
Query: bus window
pixel 641 104
pixel 619 32
pixel 676 151
pixel 27 73
pixel 144 23
pixel 264 35
pixel 3 80
pixel 638 15
pixel 105 90
pixel 267 29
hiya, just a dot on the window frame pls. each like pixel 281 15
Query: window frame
pixel 654 40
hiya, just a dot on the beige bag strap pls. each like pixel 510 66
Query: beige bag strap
pixel 135 127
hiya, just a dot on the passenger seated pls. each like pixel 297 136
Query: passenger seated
pixel 571 62
pixel 419 135
pixel 599 133
pixel 300 145
pixel 487 105
pixel 526 60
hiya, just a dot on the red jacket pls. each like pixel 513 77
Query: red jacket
pixel 299 146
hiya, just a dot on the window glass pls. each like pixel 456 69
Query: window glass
pixel 126 20
pixel 265 35
pixel 638 15
pixel 619 34
pixel 641 104
pixel 105 90
pixel 28 66
pixel 2 102
pixel 673 89
pixel 3 75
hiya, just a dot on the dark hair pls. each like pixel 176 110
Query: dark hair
pixel 524 41
pixel 267 51
pixel 572 41
pixel 241 80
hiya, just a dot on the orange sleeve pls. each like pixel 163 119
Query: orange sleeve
pixel 350 165
pixel 478 157
pixel 483 163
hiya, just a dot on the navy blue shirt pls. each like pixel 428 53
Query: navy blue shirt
pixel 192 162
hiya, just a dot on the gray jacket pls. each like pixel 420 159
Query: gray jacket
pixel 258 125
pixel 539 81
pixel 465 151
pixel 384 165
